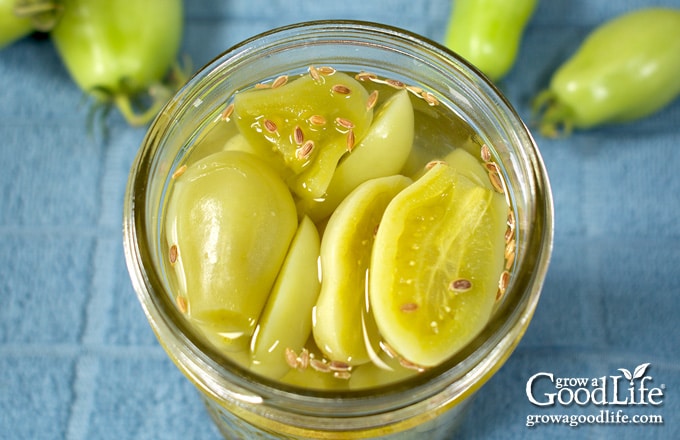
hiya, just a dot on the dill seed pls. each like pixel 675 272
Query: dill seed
pixel 363 76
pixel 341 89
pixel 291 358
pixel 345 123
pixel 269 125
pixel 319 366
pixel 342 375
pixel 510 248
pixel 350 140
pixel 339 366
pixel 395 83
pixel 305 150
pixel 226 114
pixel 510 253
pixel 485 152
pixel 496 181
pixel 314 73
pixel 491 166
pixel 433 163
pixel 262 86
pixel 509 260
pixel 179 171
pixel 317 120
pixel 372 100
pixel 505 279
pixel 303 359
pixel 298 135
pixel 511 219
pixel 460 285
pixel 430 98
pixel 502 284
pixel 510 231
pixel 326 70
pixel 409 307
pixel 417 91
pixel 182 304
pixel 280 81
pixel 172 254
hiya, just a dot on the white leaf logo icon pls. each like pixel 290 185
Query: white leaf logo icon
pixel 626 374
pixel 640 371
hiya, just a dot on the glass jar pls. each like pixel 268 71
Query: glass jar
pixel 245 405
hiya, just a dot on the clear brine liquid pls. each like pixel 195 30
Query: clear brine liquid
pixel 438 130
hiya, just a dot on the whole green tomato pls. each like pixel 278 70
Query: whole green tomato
pixel 19 18
pixel 12 27
pixel 117 49
pixel 488 33
pixel 626 69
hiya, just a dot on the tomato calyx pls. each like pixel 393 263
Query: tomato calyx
pixel 555 119
pixel 137 108
pixel 157 93
pixel 44 14
pixel 120 53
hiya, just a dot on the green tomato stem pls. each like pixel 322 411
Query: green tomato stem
pixel 44 14
pixel 124 105
pixel 159 93
pixel 555 118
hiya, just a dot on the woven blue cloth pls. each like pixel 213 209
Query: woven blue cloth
pixel 79 361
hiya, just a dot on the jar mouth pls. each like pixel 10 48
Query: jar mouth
pixel 222 378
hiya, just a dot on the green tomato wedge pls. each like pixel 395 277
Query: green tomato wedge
pixel 308 124
pixel 239 143
pixel 382 152
pixel 341 330
pixel 218 137
pixel 286 320
pixel 466 164
pixel 230 220
pixel 436 262
pixel 373 374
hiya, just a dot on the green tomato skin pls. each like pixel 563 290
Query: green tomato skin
pixel 488 33
pixel 626 69
pixel 232 220
pixel 12 28
pixel 117 45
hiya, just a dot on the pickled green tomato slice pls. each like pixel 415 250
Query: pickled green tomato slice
pixel 221 136
pixel 466 164
pixel 382 152
pixel 374 375
pixel 231 220
pixel 340 327
pixel 308 124
pixel 212 140
pixel 309 378
pixel 286 321
pixel 437 259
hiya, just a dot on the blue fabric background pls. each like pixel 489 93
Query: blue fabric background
pixel 79 361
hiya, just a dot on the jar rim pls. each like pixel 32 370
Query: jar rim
pixel 484 354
